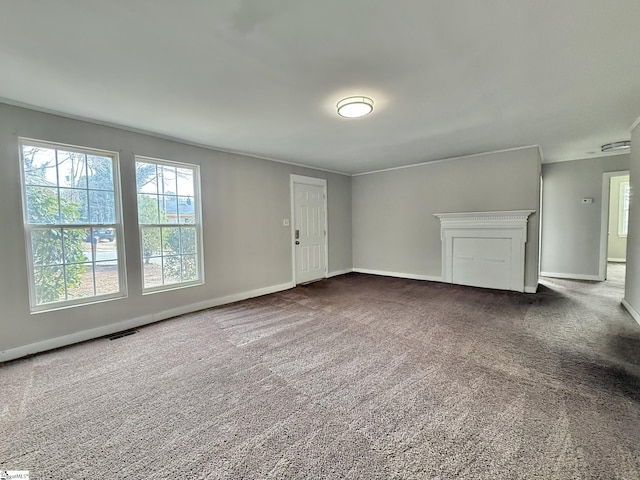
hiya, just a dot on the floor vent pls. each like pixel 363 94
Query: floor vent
pixel 124 333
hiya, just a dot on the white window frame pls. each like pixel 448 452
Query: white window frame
pixel 623 215
pixel 29 227
pixel 197 202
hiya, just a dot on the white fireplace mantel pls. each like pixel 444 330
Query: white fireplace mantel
pixel 484 249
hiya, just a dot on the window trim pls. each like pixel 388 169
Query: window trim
pixel 118 226
pixel 197 224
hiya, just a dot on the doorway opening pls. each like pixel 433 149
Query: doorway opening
pixel 615 223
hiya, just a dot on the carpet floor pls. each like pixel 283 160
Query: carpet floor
pixel 357 376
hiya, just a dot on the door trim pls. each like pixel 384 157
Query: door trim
pixel 319 182
pixel 604 221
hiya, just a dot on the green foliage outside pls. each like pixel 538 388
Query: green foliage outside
pixel 181 241
pixel 151 236
pixel 177 245
pixel 47 245
pixel 58 256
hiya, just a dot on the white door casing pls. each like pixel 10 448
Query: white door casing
pixel 309 230
pixel 604 221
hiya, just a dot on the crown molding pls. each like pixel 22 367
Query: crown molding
pixel 449 159
pixel 161 136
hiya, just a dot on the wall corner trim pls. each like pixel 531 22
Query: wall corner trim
pixel 632 311
pixel 93 333
pixel 528 289
pixel 634 124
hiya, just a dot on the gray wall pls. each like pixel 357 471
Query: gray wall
pixel 632 282
pixel 617 245
pixel 244 201
pixel 571 230
pixel 394 229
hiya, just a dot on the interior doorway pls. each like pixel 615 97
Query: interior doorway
pixel 615 222
pixel 309 232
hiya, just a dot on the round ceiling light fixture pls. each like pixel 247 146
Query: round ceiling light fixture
pixel 354 107
pixel 612 147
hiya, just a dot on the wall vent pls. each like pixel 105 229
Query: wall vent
pixel 124 333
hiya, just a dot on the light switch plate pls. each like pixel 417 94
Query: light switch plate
pixel 587 201
pixel 285 222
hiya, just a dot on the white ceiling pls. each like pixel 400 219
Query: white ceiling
pixel 262 77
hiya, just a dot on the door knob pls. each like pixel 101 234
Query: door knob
pixel 297 242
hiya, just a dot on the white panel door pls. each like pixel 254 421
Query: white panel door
pixel 482 262
pixel 310 232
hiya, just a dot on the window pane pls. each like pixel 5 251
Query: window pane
pixel 46 247
pixel 102 207
pixel 106 246
pixel 185 182
pixel 87 245
pixel 188 240
pixel 623 213
pixel 107 280
pixel 75 245
pixel 49 284
pixel 189 268
pixel 73 206
pixel 151 242
pixel 171 240
pixel 100 173
pixel 39 165
pixel 148 209
pixel 72 169
pixel 42 205
pixel 167 182
pixel 153 272
pixel 146 177
pixel 172 269
pixel 80 281
pixel 186 210
pixel 168 209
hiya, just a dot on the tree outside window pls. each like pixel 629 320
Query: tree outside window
pixel 169 222
pixel 70 208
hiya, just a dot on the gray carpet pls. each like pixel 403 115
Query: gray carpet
pixel 353 377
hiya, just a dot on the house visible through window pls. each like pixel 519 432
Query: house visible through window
pixel 169 220
pixel 623 219
pixel 72 224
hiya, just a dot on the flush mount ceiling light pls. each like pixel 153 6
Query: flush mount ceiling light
pixel 612 147
pixel 354 107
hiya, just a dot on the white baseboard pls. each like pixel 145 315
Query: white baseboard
pixel 571 276
pixel 335 273
pixel 632 311
pixel 617 260
pixel 411 276
pixel 50 344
